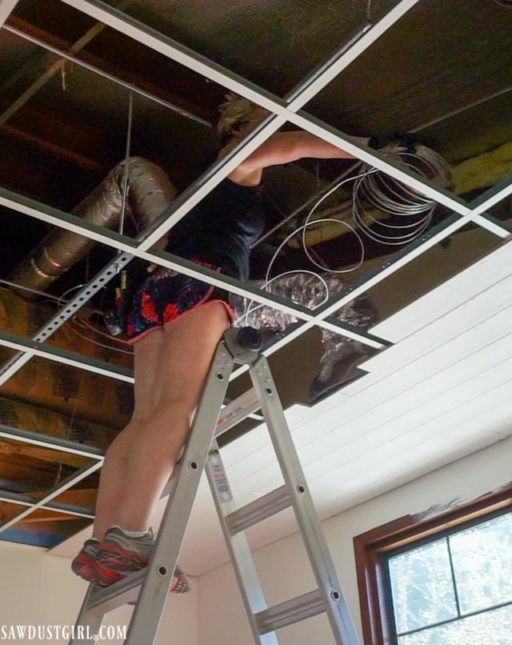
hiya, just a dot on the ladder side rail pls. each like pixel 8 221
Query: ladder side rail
pixel 150 604
pixel 323 567
pixel 238 547
pixel 88 622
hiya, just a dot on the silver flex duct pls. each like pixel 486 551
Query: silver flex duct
pixel 308 290
pixel 150 192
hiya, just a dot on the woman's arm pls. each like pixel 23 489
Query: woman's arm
pixel 285 147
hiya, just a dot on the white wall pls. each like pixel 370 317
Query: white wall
pixel 282 567
pixel 37 588
pixel 40 589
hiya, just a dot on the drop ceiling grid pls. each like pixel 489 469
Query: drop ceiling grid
pixel 338 65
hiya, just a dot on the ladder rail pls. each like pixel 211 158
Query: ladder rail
pixel 238 548
pixel 336 606
pixel 150 604
pixel 89 620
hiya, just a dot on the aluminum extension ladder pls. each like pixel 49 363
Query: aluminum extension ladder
pixel 148 589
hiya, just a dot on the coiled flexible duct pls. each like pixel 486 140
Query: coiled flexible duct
pixel 150 192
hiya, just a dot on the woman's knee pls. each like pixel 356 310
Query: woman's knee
pixel 120 447
pixel 170 405
pixel 173 411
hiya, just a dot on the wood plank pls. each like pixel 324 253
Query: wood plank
pixel 14 449
pixel 420 427
pixel 471 402
pixel 469 315
pixel 351 491
pixel 474 281
pixel 443 393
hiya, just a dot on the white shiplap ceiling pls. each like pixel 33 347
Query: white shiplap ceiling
pixel 441 392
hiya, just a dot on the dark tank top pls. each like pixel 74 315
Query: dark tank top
pixel 221 228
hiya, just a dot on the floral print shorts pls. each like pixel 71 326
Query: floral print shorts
pixel 166 295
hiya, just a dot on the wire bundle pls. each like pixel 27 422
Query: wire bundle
pixel 373 192
pixel 376 192
pixel 309 222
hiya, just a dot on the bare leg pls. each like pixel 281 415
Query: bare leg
pixel 114 470
pixel 170 369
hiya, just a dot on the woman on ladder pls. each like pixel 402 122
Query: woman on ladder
pixel 175 323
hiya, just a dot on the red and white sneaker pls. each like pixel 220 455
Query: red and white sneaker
pixel 123 554
pixel 86 566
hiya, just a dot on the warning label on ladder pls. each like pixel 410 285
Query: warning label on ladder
pixel 219 476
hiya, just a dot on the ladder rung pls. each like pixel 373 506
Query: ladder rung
pixel 259 510
pixel 237 411
pixel 291 611
pixel 124 592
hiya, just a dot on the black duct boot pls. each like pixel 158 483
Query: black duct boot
pixel 339 372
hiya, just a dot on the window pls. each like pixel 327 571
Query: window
pixel 442 581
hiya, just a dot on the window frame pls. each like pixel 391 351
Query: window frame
pixel 373 548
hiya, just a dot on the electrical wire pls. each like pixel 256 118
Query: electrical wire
pixel 86 323
pixel 303 206
pixel 125 189
pixel 97 342
pixel 374 190
pixel 48 296
pixel 63 296
pixel 79 321
pixel 308 223
pixel 382 193
pixel 506 4
pixel 369 19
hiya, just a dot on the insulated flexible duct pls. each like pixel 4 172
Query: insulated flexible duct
pixel 309 290
pixel 150 192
